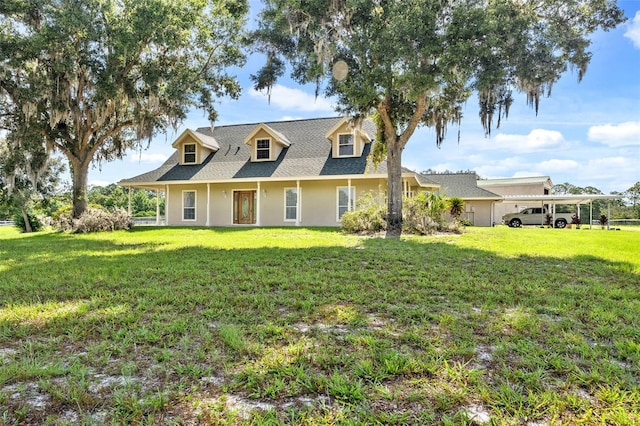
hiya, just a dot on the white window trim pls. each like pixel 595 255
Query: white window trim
pixel 195 153
pixel 255 149
pixel 195 205
pixel 353 200
pixel 295 219
pixel 353 144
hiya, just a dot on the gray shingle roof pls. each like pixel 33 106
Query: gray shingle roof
pixel 463 185
pixel 309 155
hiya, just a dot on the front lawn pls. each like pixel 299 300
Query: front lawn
pixel 311 326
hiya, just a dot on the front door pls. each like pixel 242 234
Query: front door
pixel 244 207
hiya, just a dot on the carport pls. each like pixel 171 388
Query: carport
pixel 573 199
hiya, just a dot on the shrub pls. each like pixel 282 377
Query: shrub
pixel 62 219
pixel 369 216
pixel 575 219
pixel 34 221
pixel 424 213
pixel 548 219
pixel 94 219
pixel 603 220
pixel 98 219
pixel 456 207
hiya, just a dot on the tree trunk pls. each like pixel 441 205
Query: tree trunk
pixel 394 189
pixel 25 217
pixel 79 175
pixel 395 145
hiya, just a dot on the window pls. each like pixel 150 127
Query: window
pixel 263 151
pixel 346 200
pixel 189 153
pixel 290 204
pixel 188 205
pixel 345 145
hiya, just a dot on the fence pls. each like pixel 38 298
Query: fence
pixel 619 222
pixel 147 221
pixel 6 223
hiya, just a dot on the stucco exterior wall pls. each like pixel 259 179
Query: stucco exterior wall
pixel 318 202
pixel 174 205
pixel 478 212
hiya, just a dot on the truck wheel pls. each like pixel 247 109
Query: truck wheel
pixel 561 223
pixel 515 223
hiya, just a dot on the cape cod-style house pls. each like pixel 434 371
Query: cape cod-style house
pixel 300 172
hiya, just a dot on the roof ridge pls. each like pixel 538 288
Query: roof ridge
pixel 272 122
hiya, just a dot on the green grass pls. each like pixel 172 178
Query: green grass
pixel 311 326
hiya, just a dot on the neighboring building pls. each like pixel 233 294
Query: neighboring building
pixel 480 204
pixel 301 172
pixel 537 185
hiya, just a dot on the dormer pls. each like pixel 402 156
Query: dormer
pixel 266 144
pixel 194 147
pixel 347 141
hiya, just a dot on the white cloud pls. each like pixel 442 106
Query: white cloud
pixel 536 140
pixel 616 135
pixel 611 166
pixel 293 99
pixel 505 167
pixel 549 167
pixel 633 30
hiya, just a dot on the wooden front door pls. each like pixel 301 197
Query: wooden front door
pixel 244 207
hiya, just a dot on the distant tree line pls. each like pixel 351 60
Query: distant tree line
pixel 54 196
pixel 143 202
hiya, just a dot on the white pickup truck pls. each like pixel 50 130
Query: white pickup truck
pixel 535 216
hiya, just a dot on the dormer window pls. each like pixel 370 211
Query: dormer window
pixel 263 149
pixel 189 153
pixel 345 145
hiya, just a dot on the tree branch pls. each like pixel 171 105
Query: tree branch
pixel 421 107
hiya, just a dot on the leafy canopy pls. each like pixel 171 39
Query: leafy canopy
pixel 416 62
pixel 427 58
pixel 94 78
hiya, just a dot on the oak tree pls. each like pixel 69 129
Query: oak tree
pixel 415 62
pixel 94 78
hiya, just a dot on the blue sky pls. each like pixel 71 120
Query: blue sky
pixel 586 133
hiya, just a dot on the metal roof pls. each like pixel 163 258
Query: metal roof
pixel 560 198
pixel 512 181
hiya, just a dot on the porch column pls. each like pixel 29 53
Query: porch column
pixel 129 204
pixel 553 218
pixel 543 215
pixel 258 205
pixel 349 199
pixel 608 214
pixel 298 204
pixel 208 223
pixel 166 205
pixel 157 207
pixel 492 214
